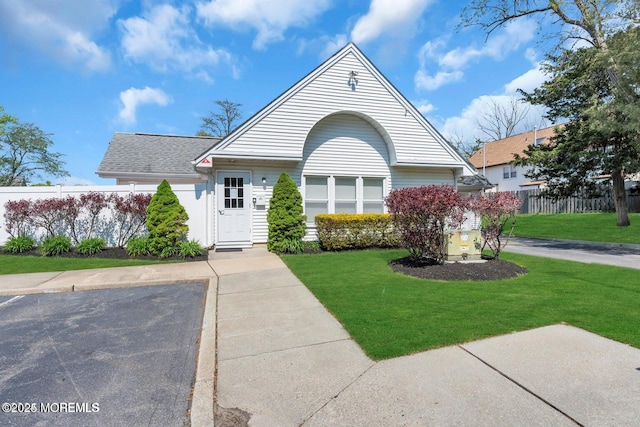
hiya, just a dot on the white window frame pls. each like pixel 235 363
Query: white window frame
pixel 509 172
pixel 331 192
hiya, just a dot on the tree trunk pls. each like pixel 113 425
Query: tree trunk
pixel 620 198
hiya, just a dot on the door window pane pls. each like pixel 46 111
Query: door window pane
pixel 233 193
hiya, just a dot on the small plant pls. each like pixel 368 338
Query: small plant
pixel 291 246
pixel 91 247
pixel 16 245
pixel 190 249
pixel 55 245
pixel 169 251
pixel 138 246
pixel 312 246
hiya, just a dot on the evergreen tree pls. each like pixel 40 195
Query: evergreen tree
pixel 285 218
pixel 166 220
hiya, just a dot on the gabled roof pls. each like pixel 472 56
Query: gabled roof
pixel 132 154
pixel 232 146
pixel 501 151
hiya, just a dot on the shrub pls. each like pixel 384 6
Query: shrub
pixel 291 246
pixel 495 210
pixel 166 220
pixel 91 247
pixel 130 214
pixel 138 246
pixel 55 245
pixel 16 245
pixel 356 231
pixel 285 219
pixel 17 217
pixel 93 202
pixel 169 251
pixel 421 215
pixel 190 249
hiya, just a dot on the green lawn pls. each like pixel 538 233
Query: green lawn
pixel 390 314
pixel 596 227
pixel 14 264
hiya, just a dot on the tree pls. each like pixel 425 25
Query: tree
pixel 499 120
pixel 24 153
pixel 607 115
pixel 220 124
pixel 285 219
pixel 421 215
pixel 166 221
pixel 602 137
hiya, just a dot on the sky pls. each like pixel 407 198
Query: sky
pixel 83 70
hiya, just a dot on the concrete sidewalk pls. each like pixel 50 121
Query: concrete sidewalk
pixel 284 360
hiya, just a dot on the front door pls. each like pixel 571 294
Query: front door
pixel 234 208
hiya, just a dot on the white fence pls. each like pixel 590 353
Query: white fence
pixel 194 197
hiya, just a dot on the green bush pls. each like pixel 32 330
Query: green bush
pixel 90 247
pixel 285 218
pixel 55 245
pixel 190 249
pixel 19 244
pixel 356 231
pixel 166 220
pixel 169 251
pixel 138 246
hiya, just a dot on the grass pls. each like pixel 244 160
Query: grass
pixel 390 314
pixel 595 227
pixel 12 264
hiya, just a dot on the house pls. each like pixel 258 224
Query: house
pixel 495 160
pixel 343 133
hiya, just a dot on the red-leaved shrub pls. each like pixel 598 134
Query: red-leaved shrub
pixel 421 215
pixel 495 210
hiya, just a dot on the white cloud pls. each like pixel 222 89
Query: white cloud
pixel 526 82
pixel 61 29
pixel 388 17
pixel 424 106
pixel 423 80
pixel 132 98
pixel 451 63
pixel 163 39
pixel 270 18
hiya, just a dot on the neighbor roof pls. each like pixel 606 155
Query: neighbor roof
pixel 501 152
pixel 137 153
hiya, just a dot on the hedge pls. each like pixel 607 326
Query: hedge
pixel 356 231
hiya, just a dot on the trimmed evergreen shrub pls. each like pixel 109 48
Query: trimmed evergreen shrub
pixel 356 231
pixel 285 218
pixel 92 246
pixel 16 245
pixel 166 220
pixel 55 245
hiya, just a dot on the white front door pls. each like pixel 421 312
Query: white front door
pixel 234 208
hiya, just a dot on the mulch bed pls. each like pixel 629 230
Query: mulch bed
pixel 114 253
pixel 493 269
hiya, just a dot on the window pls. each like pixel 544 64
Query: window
pixel 316 197
pixel 373 195
pixel 234 193
pixel 346 201
pixel 509 172
pixel 343 194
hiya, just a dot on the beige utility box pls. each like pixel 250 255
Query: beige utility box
pixel 463 245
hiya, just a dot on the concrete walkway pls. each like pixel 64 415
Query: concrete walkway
pixel 284 360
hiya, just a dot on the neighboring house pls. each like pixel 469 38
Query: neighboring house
pixel 343 133
pixel 495 160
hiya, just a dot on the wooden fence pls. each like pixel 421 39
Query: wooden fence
pixel 533 203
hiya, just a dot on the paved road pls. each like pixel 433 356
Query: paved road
pixel 620 255
pixel 118 357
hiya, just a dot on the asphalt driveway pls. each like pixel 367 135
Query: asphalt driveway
pixel 110 357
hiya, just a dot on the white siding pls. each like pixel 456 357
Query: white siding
pixel 416 177
pixel 283 127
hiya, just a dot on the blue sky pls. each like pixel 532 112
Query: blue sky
pixel 83 70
